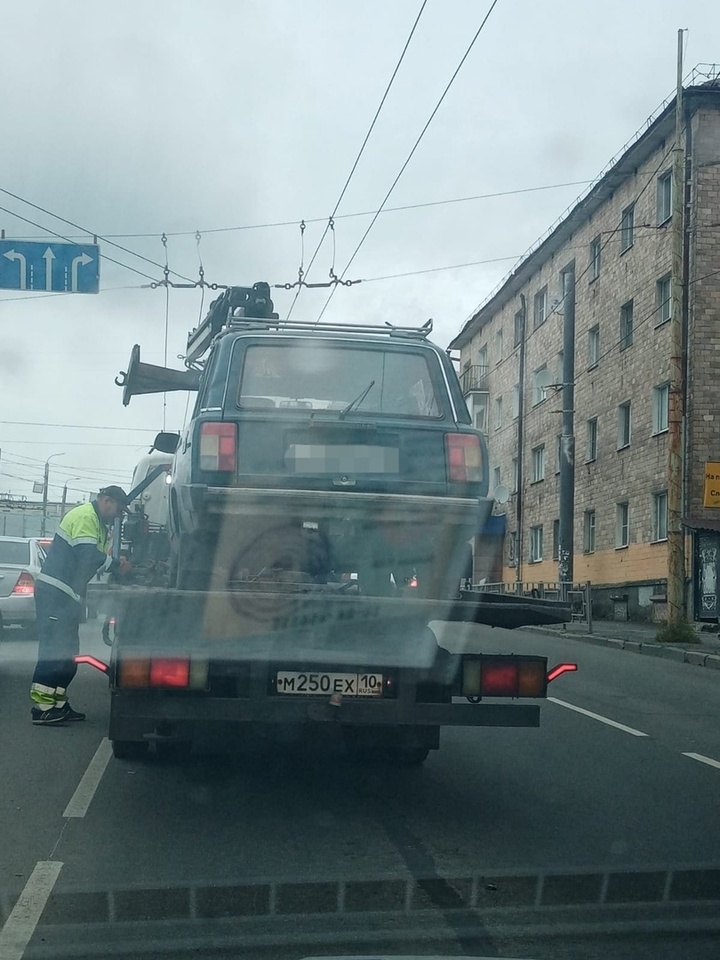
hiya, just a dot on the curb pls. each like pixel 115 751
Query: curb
pixel 696 658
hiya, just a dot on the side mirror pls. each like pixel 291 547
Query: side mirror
pixel 166 442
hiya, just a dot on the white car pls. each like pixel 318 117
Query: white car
pixel 20 562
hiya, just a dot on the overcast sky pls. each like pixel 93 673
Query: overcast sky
pixel 144 117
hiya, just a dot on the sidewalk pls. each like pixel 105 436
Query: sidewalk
pixel 640 638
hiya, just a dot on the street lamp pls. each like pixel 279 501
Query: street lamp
pixel 43 524
pixel 64 495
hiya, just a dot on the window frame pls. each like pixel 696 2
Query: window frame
pixel 627 228
pixel 658 497
pixel 595 257
pixel 536 539
pixel 660 303
pixel 662 180
pixel 627 324
pixel 499 346
pixel 622 506
pixel 541 297
pixel 497 413
pixel 518 323
pixel 660 416
pixel 626 405
pixel 539 465
pixel 591 432
pixel 589 531
pixel 540 392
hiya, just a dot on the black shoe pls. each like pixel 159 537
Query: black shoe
pixel 70 714
pixel 46 718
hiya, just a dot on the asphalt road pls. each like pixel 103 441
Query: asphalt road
pixel 595 835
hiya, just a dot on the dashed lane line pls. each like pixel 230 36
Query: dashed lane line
pixel 24 916
pixel 596 716
pixel 701 759
pixel 85 791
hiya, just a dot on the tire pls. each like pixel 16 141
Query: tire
pixel 410 756
pixel 130 749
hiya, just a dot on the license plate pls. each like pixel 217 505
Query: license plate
pixel 320 684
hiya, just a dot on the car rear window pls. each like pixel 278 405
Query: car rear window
pixel 15 553
pixel 322 376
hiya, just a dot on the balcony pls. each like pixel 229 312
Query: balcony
pixel 474 379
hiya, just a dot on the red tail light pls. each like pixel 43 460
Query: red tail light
pixel 464 457
pixel 501 676
pixel 169 673
pixel 25 587
pixel 218 447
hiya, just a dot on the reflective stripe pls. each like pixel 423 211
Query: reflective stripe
pixel 41 695
pixel 54 582
pixel 75 541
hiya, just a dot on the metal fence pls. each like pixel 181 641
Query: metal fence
pixel 576 594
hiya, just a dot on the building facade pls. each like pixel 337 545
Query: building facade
pixel 613 251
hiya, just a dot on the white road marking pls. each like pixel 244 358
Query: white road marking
pixel 82 798
pixel 24 916
pixel 597 716
pixel 708 760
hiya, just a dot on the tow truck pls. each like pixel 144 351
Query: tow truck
pixel 322 500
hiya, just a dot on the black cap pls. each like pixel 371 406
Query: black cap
pixel 115 493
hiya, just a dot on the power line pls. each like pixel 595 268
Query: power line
pixel 92 233
pixel 73 426
pixel 360 152
pixel 412 152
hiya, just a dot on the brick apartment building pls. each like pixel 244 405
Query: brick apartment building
pixel 617 241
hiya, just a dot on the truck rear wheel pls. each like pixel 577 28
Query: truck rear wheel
pixel 130 749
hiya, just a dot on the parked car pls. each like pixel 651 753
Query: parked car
pixel 20 562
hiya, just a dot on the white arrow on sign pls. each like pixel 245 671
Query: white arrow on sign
pixel 76 263
pixel 48 257
pixel 14 255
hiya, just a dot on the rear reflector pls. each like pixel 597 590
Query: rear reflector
pixel 464 457
pixel 218 447
pixel 170 673
pixel 25 587
pixel 560 669
pixel 504 676
pixel 134 672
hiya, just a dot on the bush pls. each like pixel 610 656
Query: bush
pixel 680 632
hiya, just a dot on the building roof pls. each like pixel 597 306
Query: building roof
pixel 661 129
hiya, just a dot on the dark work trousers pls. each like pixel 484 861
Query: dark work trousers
pixel 58 622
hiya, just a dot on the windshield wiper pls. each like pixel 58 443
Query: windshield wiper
pixel 357 401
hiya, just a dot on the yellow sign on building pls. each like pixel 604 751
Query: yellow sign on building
pixel 712 485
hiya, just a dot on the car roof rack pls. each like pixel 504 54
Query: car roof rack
pixel 251 308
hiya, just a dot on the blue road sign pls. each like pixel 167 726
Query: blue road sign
pixel 57 267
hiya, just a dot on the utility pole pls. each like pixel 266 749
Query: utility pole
pixel 567 439
pixel 521 423
pixel 43 522
pixel 676 546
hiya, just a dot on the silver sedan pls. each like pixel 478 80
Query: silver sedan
pixel 20 562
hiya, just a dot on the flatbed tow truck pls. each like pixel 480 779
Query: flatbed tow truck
pixel 322 498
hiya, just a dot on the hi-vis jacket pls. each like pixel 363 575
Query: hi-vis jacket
pixel 77 552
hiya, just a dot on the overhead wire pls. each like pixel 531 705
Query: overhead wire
pixel 411 154
pixel 360 152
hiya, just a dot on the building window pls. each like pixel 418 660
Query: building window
pixel 516 401
pixel 595 248
pixel 538 463
pixel 512 548
pixel 498 412
pixel 482 360
pixel 536 544
pixel 626 325
pixel 498 347
pixel 540 308
pixel 627 228
pixel 514 474
pixel 622 525
pixel 538 390
pixel 663 299
pixel 480 406
pixel 623 425
pixel 593 347
pixel 660 408
pixel 589 532
pixel 664 197
pixel 496 478
pixel 556 539
pixel 660 516
pixel 592 440
pixel 558 453
pixel 518 329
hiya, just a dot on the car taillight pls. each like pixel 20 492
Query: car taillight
pixel 170 672
pixel 25 587
pixel 464 457
pixel 218 442
pixel 504 676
